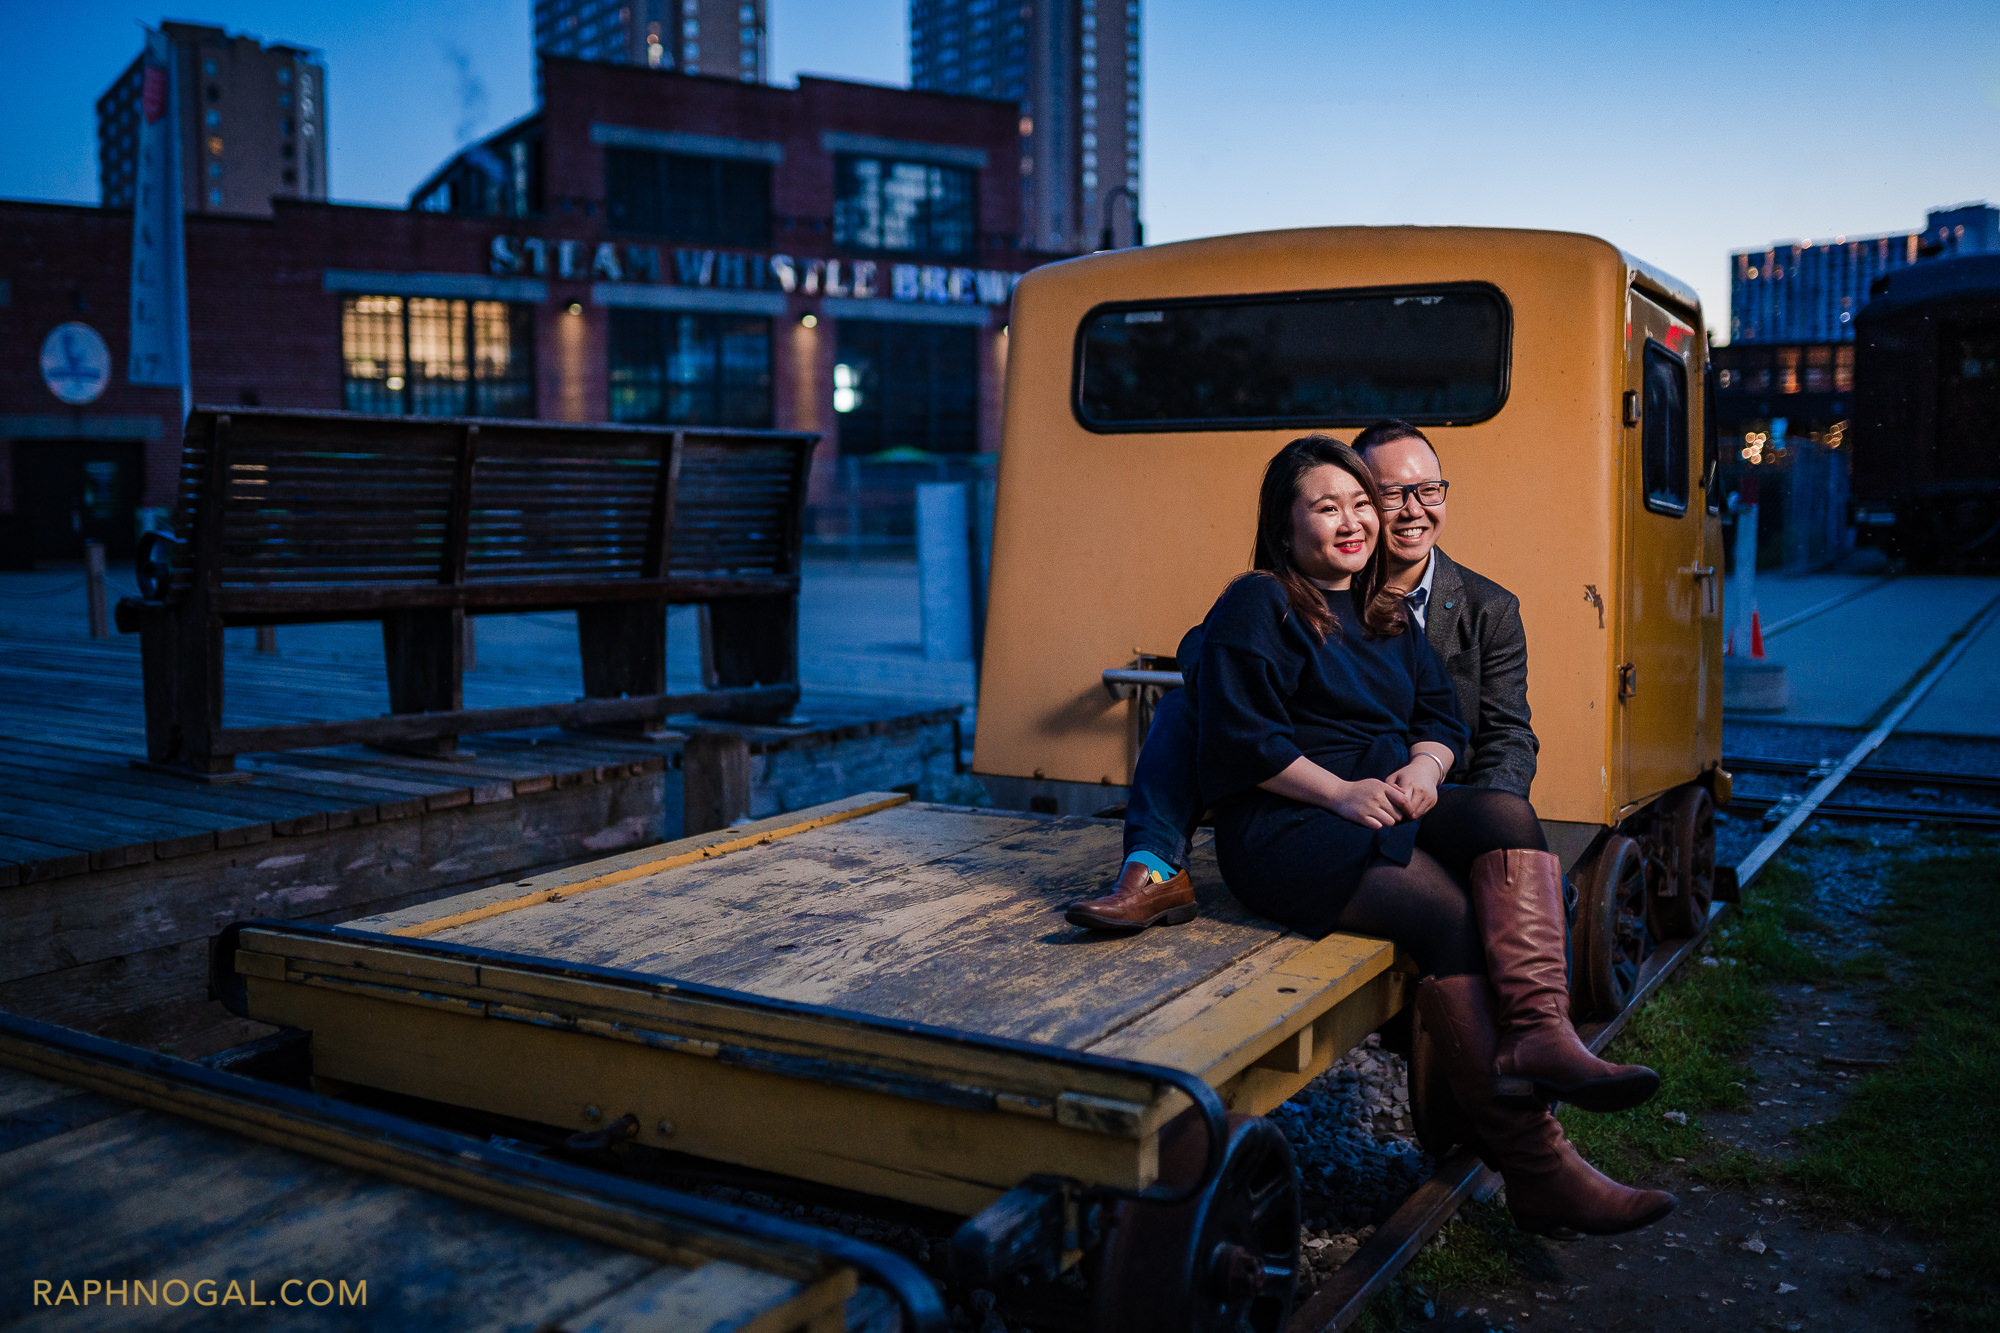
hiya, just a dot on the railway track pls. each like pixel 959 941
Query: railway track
pixel 1779 806
pixel 1883 773
pixel 1340 1300
pixel 1916 782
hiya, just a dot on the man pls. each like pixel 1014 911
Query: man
pixel 1473 624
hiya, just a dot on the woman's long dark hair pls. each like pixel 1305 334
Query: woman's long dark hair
pixel 1381 605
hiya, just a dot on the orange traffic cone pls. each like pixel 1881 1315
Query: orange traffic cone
pixel 1756 637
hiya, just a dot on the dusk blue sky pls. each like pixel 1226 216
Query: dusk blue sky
pixel 1677 131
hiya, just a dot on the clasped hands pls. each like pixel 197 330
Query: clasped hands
pixel 1379 802
pixel 1371 802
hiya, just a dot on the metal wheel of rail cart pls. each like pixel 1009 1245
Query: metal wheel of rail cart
pixel 879 995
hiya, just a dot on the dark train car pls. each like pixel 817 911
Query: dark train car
pixel 1926 479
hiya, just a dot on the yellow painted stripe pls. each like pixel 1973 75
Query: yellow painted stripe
pixel 714 849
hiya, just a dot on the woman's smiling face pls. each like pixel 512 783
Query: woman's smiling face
pixel 1334 526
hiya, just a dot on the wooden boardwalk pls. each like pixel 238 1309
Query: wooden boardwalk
pixel 113 877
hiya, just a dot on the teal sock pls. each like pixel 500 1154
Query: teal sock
pixel 1161 870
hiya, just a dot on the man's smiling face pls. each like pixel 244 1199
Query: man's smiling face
pixel 1411 529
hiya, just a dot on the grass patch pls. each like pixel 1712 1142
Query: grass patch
pixel 1694 1030
pixel 1920 1142
pixel 1479 1247
pixel 1870 966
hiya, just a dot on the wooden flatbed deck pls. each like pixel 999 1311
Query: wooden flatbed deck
pixel 875 993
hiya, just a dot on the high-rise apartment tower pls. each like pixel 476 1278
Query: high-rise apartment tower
pixel 720 37
pixel 1811 291
pixel 252 123
pixel 1073 65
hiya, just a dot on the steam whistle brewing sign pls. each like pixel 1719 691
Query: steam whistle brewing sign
pixel 159 269
pixel 856 279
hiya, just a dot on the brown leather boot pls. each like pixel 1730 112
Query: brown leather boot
pixel 1137 901
pixel 1551 1191
pixel 1519 900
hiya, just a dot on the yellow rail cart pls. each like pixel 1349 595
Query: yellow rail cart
pixel 881 995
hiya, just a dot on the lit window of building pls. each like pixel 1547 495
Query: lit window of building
pixel 424 356
pixel 915 207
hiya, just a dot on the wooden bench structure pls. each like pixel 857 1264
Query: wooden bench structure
pixel 300 517
pixel 874 994
pixel 158 1175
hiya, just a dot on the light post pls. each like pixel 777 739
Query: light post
pixel 1138 227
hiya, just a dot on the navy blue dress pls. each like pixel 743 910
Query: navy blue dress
pixel 1267 690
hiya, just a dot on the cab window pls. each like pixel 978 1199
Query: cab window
pixel 1431 355
pixel 1663 443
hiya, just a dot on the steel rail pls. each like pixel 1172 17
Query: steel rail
pixel 1975 817
pixel 1345 1295
pixel 1820 608
pixel 1912 695
pixel 1877 773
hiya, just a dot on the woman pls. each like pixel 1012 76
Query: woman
pixel 1326 730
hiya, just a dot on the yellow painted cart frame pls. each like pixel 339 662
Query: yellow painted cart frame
pixel 875 994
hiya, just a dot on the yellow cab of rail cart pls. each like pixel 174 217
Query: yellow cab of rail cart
pixel 1564 384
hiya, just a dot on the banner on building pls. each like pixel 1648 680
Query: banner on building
pixel 159 261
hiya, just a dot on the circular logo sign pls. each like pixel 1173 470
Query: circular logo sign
pixel 76 365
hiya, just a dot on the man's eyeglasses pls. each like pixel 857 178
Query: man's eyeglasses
pixel 1429 494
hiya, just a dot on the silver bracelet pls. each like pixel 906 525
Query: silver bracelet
pixel 1443 772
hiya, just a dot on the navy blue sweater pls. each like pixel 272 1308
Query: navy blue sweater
pixel 1268 690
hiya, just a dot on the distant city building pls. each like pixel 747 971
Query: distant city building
pixel 1810 291
pixel 252 123
pixel 1073 68
pixel 725 38
pixel 642 248
pixel 1785 383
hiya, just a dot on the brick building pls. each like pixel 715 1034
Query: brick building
pixel 647 246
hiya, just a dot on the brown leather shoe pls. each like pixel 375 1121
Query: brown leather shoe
pixel 1136 902
pixel 1519 900
pixel 1551 1191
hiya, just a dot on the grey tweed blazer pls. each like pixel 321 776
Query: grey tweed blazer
pixel 1475 626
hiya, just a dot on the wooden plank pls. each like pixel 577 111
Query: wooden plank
pixel 88 960
pixel 387 800
pixel 418 726
pixel 113 1199
pixel 1224 1025
pixel 717 1298
pixel 28 861
pixel 931 915
pixel 686 851
pixel 250 605
pixel 111 839
pixel 673 1018
pixel 23 1092
pixel 287 811
pixel 67 798
pixel 958 1159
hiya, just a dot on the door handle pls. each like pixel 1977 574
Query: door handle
pixel 1628 679
pixel 1704 575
